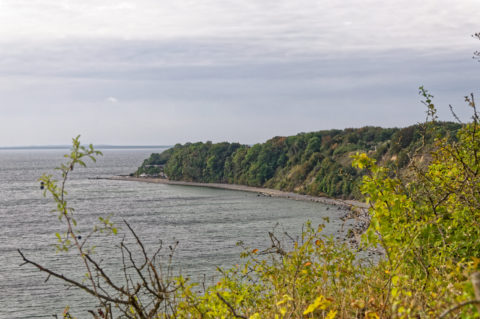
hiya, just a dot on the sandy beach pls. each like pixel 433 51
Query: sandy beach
pixel 349 204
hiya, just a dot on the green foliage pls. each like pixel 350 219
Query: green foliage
pixel 154 164
pixel 199 162
pixel 427 223
pixel 317 163
pixel 311 280
pixel 57 190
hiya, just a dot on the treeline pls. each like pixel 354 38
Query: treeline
pixel 317 163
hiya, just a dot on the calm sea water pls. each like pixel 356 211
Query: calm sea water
pixel 207 223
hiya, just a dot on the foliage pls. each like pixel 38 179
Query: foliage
pixel 316 278
pixel 427 222
pixel 153 165
pixel 317 163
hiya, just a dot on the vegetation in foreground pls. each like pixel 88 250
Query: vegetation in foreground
pixel 317 163
pixel 426 220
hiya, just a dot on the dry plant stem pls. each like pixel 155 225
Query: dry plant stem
pixel 276 245
pixel 476 287
pixel 72 234
pixel 105 276
pixel 70 281
pixel 463 304
pixel 230 307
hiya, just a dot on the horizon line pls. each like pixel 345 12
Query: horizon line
pixel 98 146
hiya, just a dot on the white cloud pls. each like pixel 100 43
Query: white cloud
pixel 302 25
pixel 112 99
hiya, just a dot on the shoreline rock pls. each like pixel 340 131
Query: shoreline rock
pixel 347 204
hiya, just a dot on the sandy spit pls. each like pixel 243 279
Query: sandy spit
pixel 349 204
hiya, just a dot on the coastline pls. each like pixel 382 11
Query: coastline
pixel 348 204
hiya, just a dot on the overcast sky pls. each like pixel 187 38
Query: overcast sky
pixel 162 72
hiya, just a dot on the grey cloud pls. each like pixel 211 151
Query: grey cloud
pixel 207 58
pixel 301 25
pixel 231 70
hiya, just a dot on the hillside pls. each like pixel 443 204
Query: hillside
pixel 317 163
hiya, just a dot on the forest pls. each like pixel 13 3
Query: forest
pixel 317 163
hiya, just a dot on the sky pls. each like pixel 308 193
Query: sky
pixel 151 72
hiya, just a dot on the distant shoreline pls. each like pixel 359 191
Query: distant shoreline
pixel 98 147
pixel 348 204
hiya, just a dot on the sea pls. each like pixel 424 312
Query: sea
pixel 201 226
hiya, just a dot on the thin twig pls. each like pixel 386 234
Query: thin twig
pixel 71 281
pixel 230 307
pixel 463 304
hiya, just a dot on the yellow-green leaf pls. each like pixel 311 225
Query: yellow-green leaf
pixel 319 303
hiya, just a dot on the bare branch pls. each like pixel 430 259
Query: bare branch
pixel 71 281
pixel 463 304
pixel 104 275
pixel 230 307
pixel 454 114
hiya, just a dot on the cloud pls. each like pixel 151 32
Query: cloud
pixel 227 70
pixel 302 25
